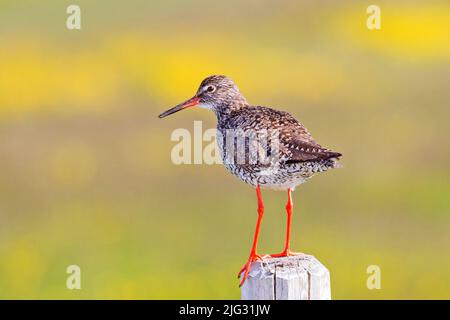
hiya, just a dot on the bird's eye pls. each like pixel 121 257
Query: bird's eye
pixel 210 89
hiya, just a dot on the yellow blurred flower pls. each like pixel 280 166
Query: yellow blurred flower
pixel 408 31
pixel 23 267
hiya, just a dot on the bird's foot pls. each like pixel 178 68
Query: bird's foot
pixel 246 268
pixel 285 253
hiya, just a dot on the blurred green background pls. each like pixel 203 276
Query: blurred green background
pixel 86 176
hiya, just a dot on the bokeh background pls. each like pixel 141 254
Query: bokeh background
pixel 85 171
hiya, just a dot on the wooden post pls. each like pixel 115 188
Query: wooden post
pixel 300 277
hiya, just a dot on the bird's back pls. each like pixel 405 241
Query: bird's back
pixel 292 155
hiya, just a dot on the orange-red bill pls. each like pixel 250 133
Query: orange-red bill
pixel 189 103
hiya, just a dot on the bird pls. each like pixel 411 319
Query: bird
pixel 264 147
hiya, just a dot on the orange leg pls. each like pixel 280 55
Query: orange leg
pixel 287 252
pixel 253 255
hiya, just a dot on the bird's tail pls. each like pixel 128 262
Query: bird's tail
pixel 334 163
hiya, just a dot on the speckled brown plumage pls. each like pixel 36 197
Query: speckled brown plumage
pixel 298 155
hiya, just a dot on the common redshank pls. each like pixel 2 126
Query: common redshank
pixel 291 156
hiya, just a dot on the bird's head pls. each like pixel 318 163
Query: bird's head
pixel 217 93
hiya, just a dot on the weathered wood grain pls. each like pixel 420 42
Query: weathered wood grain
pixel 300 277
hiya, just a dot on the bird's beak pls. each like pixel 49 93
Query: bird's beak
pixel 189 103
